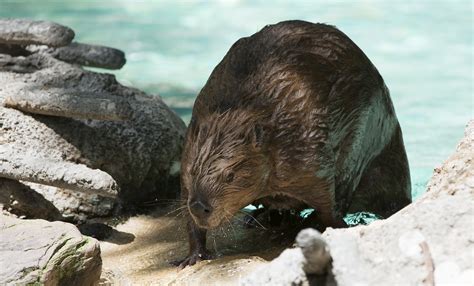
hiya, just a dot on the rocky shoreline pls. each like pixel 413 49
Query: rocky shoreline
pixel 77 146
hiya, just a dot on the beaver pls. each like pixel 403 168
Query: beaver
pixel 296 111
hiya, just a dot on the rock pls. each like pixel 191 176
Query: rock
pixel 76 177
pixel 19 199
pixel 457 173
pixel 77 206
pixel 286 269
pixel 315 251
pixel 69 103
pixel 16 65
pixel 91 55
pixel 46 253
pixel 426 243
pixel 303 265
pixel 66 101
pixel 141 154
pixel 27 32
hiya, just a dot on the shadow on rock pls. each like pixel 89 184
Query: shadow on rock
pixel 104 232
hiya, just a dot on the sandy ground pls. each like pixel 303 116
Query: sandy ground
pixel 140 250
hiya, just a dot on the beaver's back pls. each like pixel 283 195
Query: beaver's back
pixel 258 68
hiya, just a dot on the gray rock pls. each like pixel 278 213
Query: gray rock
pixel 46 253
pixel 27 32
pixel 76 206
pixel 141 154
pixel 68 103
pixel 286 269
pixel 76 177
pixel 16 65
pixel 315 250
pixel 306 264
pixel 91 55
pixel 457 173
pixel 22 201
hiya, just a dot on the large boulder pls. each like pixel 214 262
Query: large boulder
pixel 429 242
pixel 78 137
pixel 46 253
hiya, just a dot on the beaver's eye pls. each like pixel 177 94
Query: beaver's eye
pixel 229 177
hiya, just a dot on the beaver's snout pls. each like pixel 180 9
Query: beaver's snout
pixel 201 210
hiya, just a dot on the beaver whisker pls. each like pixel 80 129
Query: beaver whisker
pixel 180 210
pixel 165 200
pixel 215 244
pixel 230 223
pixel 171 202
pixel 256 220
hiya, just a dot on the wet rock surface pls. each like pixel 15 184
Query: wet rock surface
pixel 46 253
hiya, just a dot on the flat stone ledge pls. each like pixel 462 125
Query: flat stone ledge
pixel 66 175
pixel 70 103
pixel 29 32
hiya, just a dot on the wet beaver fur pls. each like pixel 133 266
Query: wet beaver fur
pixel 296 111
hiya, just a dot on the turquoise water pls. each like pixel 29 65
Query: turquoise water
pixel 422 49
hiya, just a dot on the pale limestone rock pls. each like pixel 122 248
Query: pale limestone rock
pixel 46 253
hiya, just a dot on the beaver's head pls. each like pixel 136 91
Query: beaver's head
pixel 224 166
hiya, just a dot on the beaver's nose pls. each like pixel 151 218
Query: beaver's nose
pixel 200 209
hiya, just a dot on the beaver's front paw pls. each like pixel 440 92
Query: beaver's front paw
pixel 192 259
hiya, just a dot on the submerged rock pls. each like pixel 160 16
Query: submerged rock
pixel 27 32
pixel 426 243
pixel 46 253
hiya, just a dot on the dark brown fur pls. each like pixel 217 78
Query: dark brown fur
pixel 295 110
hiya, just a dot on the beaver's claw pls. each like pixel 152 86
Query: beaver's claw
pixel 192 259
